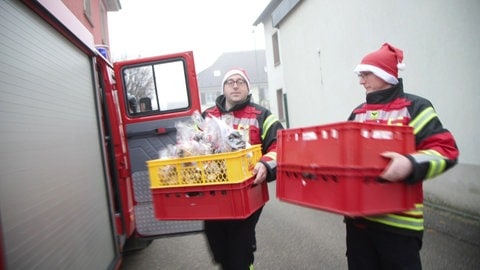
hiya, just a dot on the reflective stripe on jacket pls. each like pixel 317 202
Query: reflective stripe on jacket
pixel 258 124
pixel 436 149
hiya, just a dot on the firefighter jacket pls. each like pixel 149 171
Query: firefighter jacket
pixel 436 149
pixel 259 125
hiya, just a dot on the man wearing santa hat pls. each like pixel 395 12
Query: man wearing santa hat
pixel 233 242
pixel 393 241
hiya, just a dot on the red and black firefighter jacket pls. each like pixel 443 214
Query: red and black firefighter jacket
pixel 436 149
pixel 260 125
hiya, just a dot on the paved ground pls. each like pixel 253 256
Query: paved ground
pixel 294 237
pixel 450 241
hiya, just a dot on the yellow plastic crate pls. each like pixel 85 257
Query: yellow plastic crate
pixel 227 168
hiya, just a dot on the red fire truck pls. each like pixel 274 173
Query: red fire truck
pixel 76 132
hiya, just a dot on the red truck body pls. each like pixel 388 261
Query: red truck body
pixel 77 131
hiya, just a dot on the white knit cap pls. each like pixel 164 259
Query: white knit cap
pixel 238 71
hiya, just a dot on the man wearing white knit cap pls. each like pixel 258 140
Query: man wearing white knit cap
pixel 233 242
pixel 393 240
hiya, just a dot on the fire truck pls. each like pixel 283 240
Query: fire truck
pixel 76 132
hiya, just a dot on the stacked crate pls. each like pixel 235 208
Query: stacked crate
pixel 216 186
pixel 336 167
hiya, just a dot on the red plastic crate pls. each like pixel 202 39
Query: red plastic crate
pixel 335 168
pixel 346 144
pixel 350 192
pixel 221 201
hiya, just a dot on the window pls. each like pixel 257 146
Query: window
pixel 276 50
pixel 211 97
pixel 281 111
pixel 156 88
pixel 103 25
pixel 87 10
pixel 208 98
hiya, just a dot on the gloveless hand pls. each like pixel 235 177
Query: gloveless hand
pixel 398 168
pixel 260 172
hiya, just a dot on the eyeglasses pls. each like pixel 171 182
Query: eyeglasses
pixel 363 75
pixel 239 82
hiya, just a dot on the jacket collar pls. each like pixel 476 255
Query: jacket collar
pixel 220 102
pixel 387 95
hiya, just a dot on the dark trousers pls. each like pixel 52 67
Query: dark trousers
pixel 374 249
pixel 233 242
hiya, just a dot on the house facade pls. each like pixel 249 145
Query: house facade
pixel 92 14
pixel 312 48
pixel 210 79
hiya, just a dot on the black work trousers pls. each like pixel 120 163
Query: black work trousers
pixel 232 242
pixel 374 249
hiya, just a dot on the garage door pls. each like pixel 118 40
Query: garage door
pixel 53 203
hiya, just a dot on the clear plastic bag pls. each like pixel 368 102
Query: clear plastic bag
pixel 204 136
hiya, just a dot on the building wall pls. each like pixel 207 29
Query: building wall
pixel 97 24
pixel 321 42
pixel 274 72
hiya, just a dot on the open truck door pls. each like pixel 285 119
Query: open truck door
pixel 153 95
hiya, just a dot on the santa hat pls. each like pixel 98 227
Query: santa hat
pixel 238 71
pixel 384 63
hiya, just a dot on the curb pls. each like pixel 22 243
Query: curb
pixel 437 203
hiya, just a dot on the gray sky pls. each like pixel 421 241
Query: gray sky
pixel 207 27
